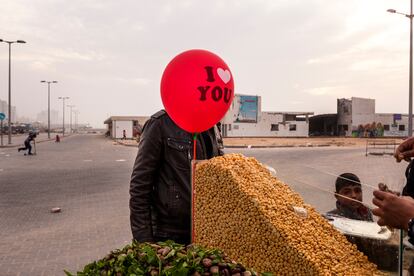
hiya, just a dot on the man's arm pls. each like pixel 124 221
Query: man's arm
pixel 142 181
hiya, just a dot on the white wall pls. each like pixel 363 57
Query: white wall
pixel 264 126
pixel 231 128
pixel 388 119
pixel 262 130
pixel 354 112
pixel 363 111
pixel 119 126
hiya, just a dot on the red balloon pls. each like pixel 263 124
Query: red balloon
pixel 197 90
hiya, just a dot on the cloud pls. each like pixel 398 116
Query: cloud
pixel 322 91
pixel 109 56
pixel 134 81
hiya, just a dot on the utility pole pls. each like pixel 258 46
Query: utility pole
pixel 71 106
pixel 63 100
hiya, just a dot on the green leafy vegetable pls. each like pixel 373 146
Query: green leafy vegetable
pixel 164 259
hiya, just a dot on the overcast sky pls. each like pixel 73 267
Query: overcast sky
pixel 108 56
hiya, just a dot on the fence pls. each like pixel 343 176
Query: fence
pixel 380 147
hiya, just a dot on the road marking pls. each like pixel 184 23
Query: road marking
pixel 1 170
pixel 120 160
pixel 87 160
pixel 7 155
pixel 2 153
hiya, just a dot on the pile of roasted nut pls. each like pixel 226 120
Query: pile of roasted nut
pixel 259 221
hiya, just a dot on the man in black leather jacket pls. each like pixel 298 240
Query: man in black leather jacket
pixel 160 202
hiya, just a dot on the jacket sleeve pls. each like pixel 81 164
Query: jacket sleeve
pixel 142 181
pixel 219 140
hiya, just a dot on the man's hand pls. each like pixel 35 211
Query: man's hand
pixel 392 210
pixel 405 150
pixel 383 187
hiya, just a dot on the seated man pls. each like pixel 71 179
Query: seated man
pixel 349 205
pixel 349 195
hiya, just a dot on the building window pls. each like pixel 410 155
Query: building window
pixel 236 126
pixel 229 127
pixel 290 117
pixel 274 127
pixel 292 127
pixel 386 127
pixel 401 127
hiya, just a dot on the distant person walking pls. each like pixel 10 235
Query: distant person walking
pixel 27 145
pixel 124 134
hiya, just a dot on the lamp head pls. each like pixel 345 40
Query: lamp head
pixel 20 41
pixel 391 11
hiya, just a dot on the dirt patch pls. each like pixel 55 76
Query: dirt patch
pixel 301 142
pixel 263 142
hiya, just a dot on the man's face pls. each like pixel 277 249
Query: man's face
pixel 351 191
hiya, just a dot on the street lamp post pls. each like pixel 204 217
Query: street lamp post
pixel 410 86
pixel 48 105
pixel 63 100
pixel 76 120
pixel 71 106
pixel 10 43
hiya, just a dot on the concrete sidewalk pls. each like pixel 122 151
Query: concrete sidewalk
pixel 18 140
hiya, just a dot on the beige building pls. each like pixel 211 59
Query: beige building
pixel 357 117
pixel 131 124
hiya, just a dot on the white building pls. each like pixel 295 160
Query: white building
pixel 131 124
pixel 245 119
pixel 357 117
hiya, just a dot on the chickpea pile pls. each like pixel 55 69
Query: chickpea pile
pixel 245 211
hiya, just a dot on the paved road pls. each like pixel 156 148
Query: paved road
pixel 88 177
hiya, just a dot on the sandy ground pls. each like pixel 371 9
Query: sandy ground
pixel 309 141
pixel 297 142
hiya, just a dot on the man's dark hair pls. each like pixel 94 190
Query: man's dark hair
pixel 346 179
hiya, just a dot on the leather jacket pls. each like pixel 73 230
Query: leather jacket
pixel 408 189
pixel 160 188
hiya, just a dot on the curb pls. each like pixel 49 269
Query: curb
pixel 277 146
pixel 38 142
pixel 125 145
pixel 258 147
